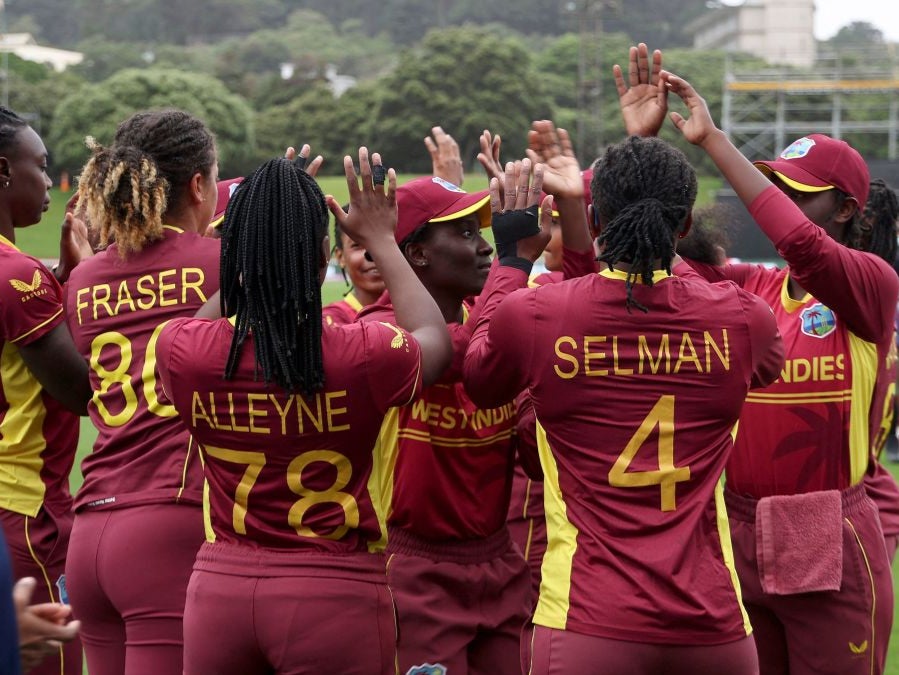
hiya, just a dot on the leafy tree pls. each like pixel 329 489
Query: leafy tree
pixel 464 79
pixel 97 109
pixel 308 118
pixel 103 58
pixel 857 34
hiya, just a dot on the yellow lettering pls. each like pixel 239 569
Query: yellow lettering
pixel 80 304
pixel 801 370
pixel 588 340
pixel 101 300
pixel 482 419
pixel 419 410
pixel 616 369
pixel 334 411
pixel 124 297
pixel 234 425
pixel 282 412
pixel 254 413
pixel 566 357
pixel 711 345
pixel 196 285
pixel 840 367
pixel 449 422
pixel 218 422
pixel 145 288
pixel 315 418
pixel 163 287
pixel 644 351
pixel 433 414
pixel 687 343
pixel 827 368
pixel 198 412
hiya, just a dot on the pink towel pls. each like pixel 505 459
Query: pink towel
pixel 799 542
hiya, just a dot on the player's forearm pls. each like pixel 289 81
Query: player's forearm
pixel 747 181
pixel 573 221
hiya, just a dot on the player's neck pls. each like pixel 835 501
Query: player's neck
pixel 794 290
pixel 449 304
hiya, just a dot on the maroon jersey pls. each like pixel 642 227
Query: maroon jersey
pixel 341 312
pixel 452 459
pixel 285 471
pixel 37 434
pixel 814 428
pixel 115 310
pixel 635 413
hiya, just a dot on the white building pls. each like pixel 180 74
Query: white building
pixel 26 47
pixel 779 31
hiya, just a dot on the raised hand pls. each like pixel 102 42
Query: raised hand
pixel 642 108
pixel 302 159
pixel 446 161
pixel 516 228
pixel 372 217
pixel 552 148
pixel 489 155
pixel 74 246
pixel 699 126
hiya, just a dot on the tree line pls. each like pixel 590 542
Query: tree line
pixel 465 78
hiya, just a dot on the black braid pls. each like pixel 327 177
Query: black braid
pixel 643 190
pixel 880 218
pixel 10 126
pixel 271 256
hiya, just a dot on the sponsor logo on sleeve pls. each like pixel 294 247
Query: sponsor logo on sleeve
pixel 446 185
pixel 29 290
pixel 399 340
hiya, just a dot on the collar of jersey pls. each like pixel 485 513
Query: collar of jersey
pixel 6 241
pixel 621 275
pixel 174 228
pixel 789 303
pixel 352 301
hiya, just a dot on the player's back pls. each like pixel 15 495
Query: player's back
pixel 115 310
pixel 286 471
pixel 635 414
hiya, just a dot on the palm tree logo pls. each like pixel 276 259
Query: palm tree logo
pixel 818 321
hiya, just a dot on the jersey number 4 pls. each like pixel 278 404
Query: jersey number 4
pixel 667 476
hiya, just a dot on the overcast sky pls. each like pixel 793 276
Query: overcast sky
pixel 831 15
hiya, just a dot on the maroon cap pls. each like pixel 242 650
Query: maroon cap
pixel 434 200
pixel 817 162
pixel 225 189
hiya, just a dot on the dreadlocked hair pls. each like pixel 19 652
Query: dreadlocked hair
pixel 643 189
pixel 129 188
pixel 880 216
pixel 10 126
pixel 271 255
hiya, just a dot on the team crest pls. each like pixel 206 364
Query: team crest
pixel 446 185
pixel 427 669
pixel 798 148
pixel 818 321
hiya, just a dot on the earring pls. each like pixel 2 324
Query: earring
pixel 421 263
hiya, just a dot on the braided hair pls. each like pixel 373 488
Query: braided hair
pixel 271 256
pixel 10 126
pixel 643 189
pixel 880 218
pixel 129 188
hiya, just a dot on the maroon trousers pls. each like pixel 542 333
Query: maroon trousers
pixel 127 574
pixel 37 548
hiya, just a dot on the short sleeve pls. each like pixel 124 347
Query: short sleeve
pixel 30 300
pixel 394 364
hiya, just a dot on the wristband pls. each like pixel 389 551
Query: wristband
pixel 522 264
pixel 510 227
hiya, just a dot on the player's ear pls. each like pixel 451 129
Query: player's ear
pixel 593 221
pixel 688 223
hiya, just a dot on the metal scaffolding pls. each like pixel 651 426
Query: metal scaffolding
pixel 763 110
